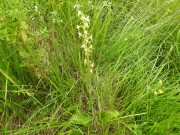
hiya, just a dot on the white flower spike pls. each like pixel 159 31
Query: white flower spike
pixel 86 39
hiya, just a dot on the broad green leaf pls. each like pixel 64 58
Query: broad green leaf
pixel 108 115
pixel 81 119
pixel 74 132
pixel 113 113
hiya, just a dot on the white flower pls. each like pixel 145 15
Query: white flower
pixel 90 37
pixel 85 32
pixel 60 20
pixel 82 17
pixel 85 61
pixel 91 70
pixel 54 13
pixel 87 19
pixel 79 33
pixel 92 65
pixel 90 47
pixel 85 49
pixel 86 40
pixel 106 3
pixel 79 13
pixel 83 46
pixel 36 8
pixel 78 27
pixel 86 24
pixel 54 20
pixel 76 6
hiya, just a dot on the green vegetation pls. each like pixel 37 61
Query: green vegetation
pixel 98 68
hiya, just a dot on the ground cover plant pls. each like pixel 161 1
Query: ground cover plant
pixel 99 67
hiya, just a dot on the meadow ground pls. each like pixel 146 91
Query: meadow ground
pixel 84 67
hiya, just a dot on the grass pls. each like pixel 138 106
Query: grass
pixel 46 88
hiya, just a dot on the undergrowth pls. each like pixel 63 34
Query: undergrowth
pixel 89 67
